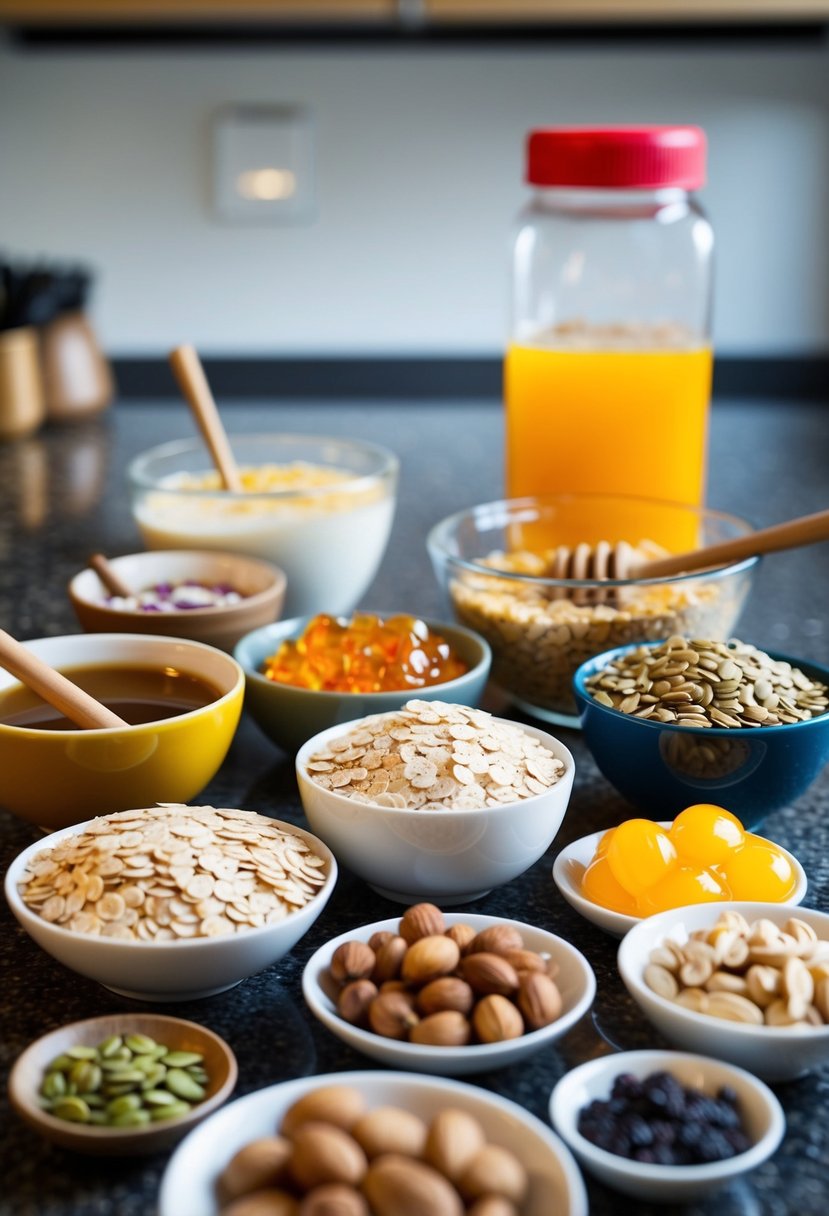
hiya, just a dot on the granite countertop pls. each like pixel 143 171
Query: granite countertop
pixel 63 494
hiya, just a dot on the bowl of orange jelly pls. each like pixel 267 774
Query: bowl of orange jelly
pixel 309 673
pixel 641 868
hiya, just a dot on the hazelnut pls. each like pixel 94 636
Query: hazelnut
pixel 497 939
pixel 487 972
pixel 391 1015
pixel 325 1153
pixel 354 1000
pixel 421 920
pixel 496 1019
pixel 448 992
pixel 445 1029
pixel 429 958
pixel 389 959
pixel 538 999
pixel 352 961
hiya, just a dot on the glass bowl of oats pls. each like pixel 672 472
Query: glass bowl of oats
pixel 319 507
pixel 171 902
pixel 494 562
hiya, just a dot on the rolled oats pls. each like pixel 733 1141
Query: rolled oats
pixel 173 856
pixel 436 756
pixel 539 637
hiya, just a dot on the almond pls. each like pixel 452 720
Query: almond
pixel 334 1199
pixel 445 1029
pixel 538 999
pixel 388 1129
pixel 264 1202
pixel 454 1139
pixel 497 939
pixel 391 1014
pixel 352 961
pixel 462 934
pixel 494 1171
pixel 399 1186
pixel 421 920
pixel 526 960
pixel 261 1163
pixel 354 1000
pixel 449 992
pixel 487 972
pixel 324 1153
pixel 379 939
pixel 429 958
pixel 490 1205
pixel 496 1019
pixel 389 959
pixel 337 1104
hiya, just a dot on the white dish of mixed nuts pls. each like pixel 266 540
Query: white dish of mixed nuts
pixel 444 1008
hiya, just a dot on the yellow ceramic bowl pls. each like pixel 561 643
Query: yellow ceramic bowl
pixel 56 778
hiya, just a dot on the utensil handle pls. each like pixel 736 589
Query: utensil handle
pixel 49 684
pixel 805 530
pixel 105 572
pixel 188 371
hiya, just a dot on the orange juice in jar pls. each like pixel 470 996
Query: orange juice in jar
pixel 608 371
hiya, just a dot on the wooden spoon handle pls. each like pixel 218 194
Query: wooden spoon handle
pixel 803 531
pixel 192 381
pixel 105 572
pixel 49 684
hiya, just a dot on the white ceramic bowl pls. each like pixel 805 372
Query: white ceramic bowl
pixel 447 857
pixel 260 584
pixel 761 1112
pixel 573 860
pixel 575 980
pixel 777 1053
pixel 181 970
pixel 189 1182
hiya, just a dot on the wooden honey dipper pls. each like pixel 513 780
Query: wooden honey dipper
pixel 73 702
pixel 618 562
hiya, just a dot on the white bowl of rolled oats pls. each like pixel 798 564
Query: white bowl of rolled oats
pixel 435 801
pixel 495 562
pixel 171 902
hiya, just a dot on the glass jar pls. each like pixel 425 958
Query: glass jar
pixel 608 370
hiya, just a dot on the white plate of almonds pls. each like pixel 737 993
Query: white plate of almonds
pixel 572 861
pixel 190 1182
pixel 171 902
pixel 483 1012
pixel 791 989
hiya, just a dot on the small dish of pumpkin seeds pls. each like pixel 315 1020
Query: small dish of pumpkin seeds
pixel 123 1083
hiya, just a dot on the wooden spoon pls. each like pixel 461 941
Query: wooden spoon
pixel 106 573
pixel 54 688
pixel 603 561
pixel 189 373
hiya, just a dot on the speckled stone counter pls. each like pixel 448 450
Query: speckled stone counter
pixel 63 494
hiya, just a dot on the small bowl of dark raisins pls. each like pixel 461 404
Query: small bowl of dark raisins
pixel 666 1126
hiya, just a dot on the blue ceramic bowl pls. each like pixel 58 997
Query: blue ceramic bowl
pixel 662 768
pixel 289 716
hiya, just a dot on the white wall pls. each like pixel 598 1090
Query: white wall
pixel 105 155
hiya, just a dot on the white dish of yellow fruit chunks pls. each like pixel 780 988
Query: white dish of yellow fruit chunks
pixel 189 1185
pixel 572 861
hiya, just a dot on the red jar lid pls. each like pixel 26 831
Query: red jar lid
pixel 643 158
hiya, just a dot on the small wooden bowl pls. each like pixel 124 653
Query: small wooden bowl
pixel 27 1075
